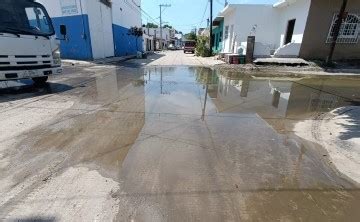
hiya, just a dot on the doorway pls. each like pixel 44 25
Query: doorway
pixel 289 31
pixel 107 30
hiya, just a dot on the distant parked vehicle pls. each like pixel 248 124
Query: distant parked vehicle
pixel 171 47
pixel 189 46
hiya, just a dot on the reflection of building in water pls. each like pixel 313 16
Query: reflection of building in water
pixel 321 95
pixel 208 77
pixel 107 87
pixel 121 90
pixel 277 100
pixel 245 94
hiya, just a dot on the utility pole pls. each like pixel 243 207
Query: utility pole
pixel 211 25
pixel 162 5
pixel 337 28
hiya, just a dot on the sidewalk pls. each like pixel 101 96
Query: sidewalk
pixel 111 60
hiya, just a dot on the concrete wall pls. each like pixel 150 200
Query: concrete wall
pixel 73 14
pixel 317 28
pixel 94 29
pixel 126 14
pixel 100 24
pixel 245 18
pixel 217 31
pixel 267 23
pixel 299 11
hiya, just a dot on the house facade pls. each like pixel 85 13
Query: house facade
pixel 168 36
pixel 278 28
pixel 291 28
pixel 178 40
pixel 217 34
pixel 96 28
pixel 321 20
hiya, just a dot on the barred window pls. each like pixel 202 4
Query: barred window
pixel 226 32
pixel 349 30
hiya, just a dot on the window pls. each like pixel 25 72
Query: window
pixel 37 20
pixel 226 32
pixel 220 37
pixel 349 30
pixel 106 2
pixel 29 18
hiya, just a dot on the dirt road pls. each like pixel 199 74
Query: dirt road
pixel 176 58
pixel 170 143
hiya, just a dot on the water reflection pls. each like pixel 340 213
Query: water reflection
pixel 275 99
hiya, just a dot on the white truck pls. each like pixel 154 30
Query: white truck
pixel 28 45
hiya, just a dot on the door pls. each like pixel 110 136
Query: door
pixel 231 38
pixel 289 31
pixel 108 38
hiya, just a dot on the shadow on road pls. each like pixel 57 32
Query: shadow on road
pixel 135 63
pixel 23 89
pixel 35 219
pixel 352 126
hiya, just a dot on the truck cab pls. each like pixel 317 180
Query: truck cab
pixel 28 45
pixel 189 46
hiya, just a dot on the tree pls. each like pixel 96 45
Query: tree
pixel 151 25
pixel 137 32
pixel 190 36
pixel 167 26
pixel 202 46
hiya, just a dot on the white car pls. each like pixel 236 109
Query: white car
pixel 171 47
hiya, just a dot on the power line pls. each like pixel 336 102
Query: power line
pixel 137 8
pixel 165 6
pixel 220 3
pixel 205 10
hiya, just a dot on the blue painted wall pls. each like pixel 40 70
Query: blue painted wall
pixel 78 45
pixel 125 44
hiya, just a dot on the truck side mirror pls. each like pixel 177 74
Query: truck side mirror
pixel 63 30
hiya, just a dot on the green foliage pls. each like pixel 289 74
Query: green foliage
pixel 151 25
pixel 202 46
pixel 190 36
pixel 136 31
pixel 167 26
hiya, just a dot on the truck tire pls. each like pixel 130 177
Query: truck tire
pixel 40 80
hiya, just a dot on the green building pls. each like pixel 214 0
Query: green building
pixel 217 37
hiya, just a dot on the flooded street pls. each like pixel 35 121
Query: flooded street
pixel 179 144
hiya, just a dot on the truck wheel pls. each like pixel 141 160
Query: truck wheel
pixel 40 80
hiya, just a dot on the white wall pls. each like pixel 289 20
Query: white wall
pixel 245 17
pixel 54 7
pixel 126 13
pixel 100 25
pixel 166 33
pixel 299 11
pixel 271 23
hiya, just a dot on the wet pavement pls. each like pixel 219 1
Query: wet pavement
pixel 176 144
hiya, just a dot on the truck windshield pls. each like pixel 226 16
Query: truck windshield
pixel 25 17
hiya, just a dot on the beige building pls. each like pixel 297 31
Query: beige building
pixel 319 26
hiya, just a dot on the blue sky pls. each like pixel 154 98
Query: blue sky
pixel 184 15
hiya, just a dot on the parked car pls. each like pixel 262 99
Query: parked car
pixel 171 47
pixel 189 46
